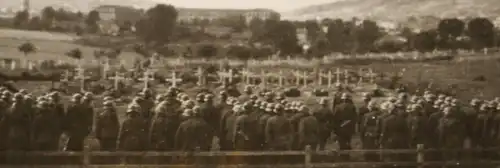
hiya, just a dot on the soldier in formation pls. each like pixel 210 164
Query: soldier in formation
pixel 253 122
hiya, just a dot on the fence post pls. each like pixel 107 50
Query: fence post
pixel 197 157
pixel 86 154
pixel 307 159
pixel 420 155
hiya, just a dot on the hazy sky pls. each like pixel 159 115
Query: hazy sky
pixel 278 5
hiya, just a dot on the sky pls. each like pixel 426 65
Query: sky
pixel 278 5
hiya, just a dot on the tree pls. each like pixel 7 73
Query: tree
pixel 48 17
pixel 207 51
pixel 410 35
pixel 337 34
pixel 482 33
pixel 426 41
pixel 27 48
pixel 367 33
pixel 239 51
pixel 160 21
pixel 75 54
pixel 283 35
pixel 312 30
pixel 21 18
pixel 35 23
pixel 449 30
pixel 91 20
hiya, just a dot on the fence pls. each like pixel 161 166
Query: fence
pixel 294 159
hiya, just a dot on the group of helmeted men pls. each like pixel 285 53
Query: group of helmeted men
pixel 173 121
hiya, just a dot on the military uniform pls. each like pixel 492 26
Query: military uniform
pixel 308 131
pixel 79 125
pixel 394 135
pixel 164 127
pixel 18 126
pixel 107 128
pixel 45 129
pixel 133 135
pixel 370 133
pixel 324 116
pixel 345 123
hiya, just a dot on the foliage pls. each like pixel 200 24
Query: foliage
pixel 239 51
pixel 21 18
pixel 75 53
pixel 312 30
pixel 91 21
pixel 207 50
pixel 48 17
pixel 367 33
pixel 449 30
pixel 27 48
pixel 425 41
pixel 35 23
pixel 481 32
pixel 236 22
pixel 159 24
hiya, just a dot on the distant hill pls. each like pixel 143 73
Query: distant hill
pixel 75 5
pixel 397 10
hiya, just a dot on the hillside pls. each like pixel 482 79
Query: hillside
pixel 397 10
pixel 75 5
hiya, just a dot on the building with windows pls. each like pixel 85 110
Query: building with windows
pixel 190 14
pixel 119 14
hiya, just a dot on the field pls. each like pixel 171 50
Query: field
pixel 469 76
pixel 459 73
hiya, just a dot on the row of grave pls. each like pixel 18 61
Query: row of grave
pixel 281 78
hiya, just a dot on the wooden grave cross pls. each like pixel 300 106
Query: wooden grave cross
pixel 280 78
pixel 372 76
pixel 230 74
pixel 328 77
pixel 174 79
pixel 117 78
pixel 304 77
pixel 297 77
pixel 201 77
pixel 222 77
pixel 320 77
pixel 263 78
pixel 337 76
pixel 82 77
pixel 105 69
pixel 246 77
pixel 146 78
pixel 346 77
pixel 65 77
pixel 360 74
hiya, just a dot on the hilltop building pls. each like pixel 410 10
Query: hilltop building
pixel 190 14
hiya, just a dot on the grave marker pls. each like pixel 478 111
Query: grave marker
pixel 337 75
pixel 201 77
pixel 117 78
pixel 65 77
pixel 263 78
pixel 280 78
pixel 146 78
pixel 346 77
pixel 174 79
pixel 82 77
pixel 372 76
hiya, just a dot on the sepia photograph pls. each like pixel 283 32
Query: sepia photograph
pixel 249 84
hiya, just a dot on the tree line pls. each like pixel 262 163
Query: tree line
pixel 160 26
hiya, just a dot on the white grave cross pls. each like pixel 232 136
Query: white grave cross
pixel 146 78
pixel 117 78
pixel 82 77
pixel 174 80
